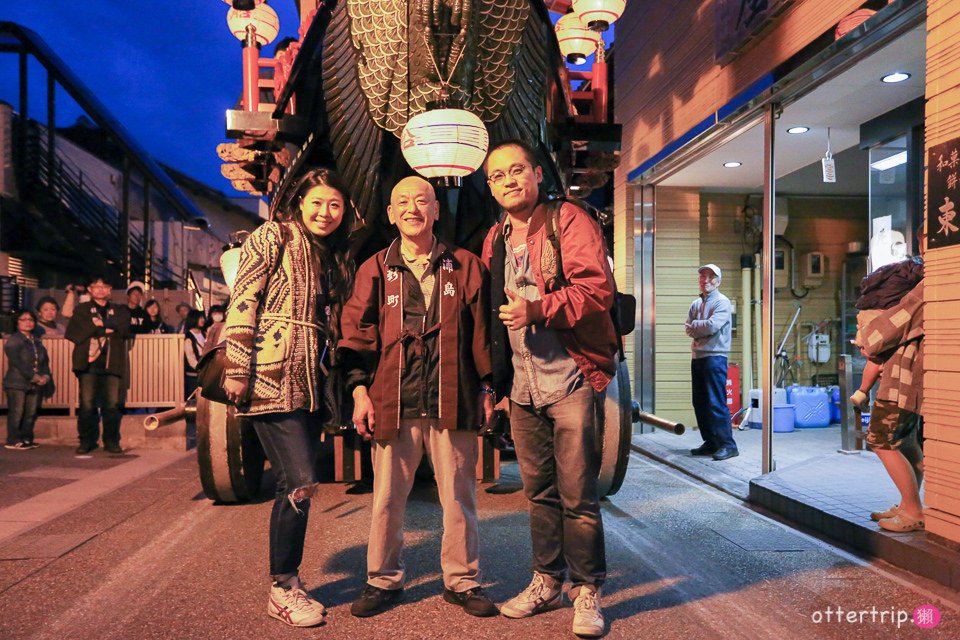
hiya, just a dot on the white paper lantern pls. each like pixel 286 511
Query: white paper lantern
pixel 576 41
pixel 264 20
pixel 599 14
pixel 444 142
pixel 229 265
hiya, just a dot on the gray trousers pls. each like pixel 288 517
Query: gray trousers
pixel 454 458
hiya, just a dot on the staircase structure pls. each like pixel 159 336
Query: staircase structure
pixel 58 219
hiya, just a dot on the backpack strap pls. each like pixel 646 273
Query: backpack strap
pixel 499 340
pixel 552 225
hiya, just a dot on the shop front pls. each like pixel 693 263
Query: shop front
pixel 792 157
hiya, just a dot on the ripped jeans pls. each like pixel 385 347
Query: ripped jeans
pixel 290 441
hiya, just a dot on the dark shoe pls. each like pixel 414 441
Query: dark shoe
pixel 112 447
pixel 359 488
pixel 723 453
pixel 374 600
pixel 85 449
pixel 474 601
pixel 31 444
pixel 17 446
pixel 703 450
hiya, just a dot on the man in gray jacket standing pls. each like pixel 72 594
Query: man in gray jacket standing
pixel 708 323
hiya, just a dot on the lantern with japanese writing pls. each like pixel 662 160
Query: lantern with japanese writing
pixel 444 142
pixel 262 20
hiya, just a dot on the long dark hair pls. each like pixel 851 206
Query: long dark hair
pixel 333 249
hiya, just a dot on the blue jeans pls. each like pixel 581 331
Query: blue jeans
pixel 290 441
pixel 99 398
pixel 559 459
pixel 22 408
pixel 709 377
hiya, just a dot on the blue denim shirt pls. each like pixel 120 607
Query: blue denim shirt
pixel 543 371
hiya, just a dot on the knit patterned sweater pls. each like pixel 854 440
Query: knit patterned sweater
pixel 273 335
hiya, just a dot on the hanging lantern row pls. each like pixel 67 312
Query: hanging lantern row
pixel 598 15
pixel 576 41
pixel 444 142
pixel 578 32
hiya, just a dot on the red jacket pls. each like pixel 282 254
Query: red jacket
pixel 578 312
pixel 376 345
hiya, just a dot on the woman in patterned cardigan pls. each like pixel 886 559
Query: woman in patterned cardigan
pixel 283 321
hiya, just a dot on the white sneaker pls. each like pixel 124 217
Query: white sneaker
pixel 587 617
pixel 536 598
pixel 294 606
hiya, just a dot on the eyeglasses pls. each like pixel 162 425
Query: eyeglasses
pixel 496 178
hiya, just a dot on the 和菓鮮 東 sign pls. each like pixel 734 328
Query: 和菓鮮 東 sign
pixel 943 195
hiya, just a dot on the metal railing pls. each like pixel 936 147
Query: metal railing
pixel 80 205
pixel 83 208
pixel 155 369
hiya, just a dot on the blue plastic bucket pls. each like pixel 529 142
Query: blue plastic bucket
pixel 812 407
pixel 834 392
pixel 784 418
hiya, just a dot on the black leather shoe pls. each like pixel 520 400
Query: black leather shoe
pixel 359 488
pixel 112 447
pixel 474 601
pixel 374 600
pixel 84 449
pixel 723 453
pixel 703 450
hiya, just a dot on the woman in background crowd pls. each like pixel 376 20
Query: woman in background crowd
pixel 26 382
pixel 47 312
pixel 194 339
pixel 218 313
pixel 154 323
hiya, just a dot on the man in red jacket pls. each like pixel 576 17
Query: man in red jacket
pixel 553 347
pixel 415 335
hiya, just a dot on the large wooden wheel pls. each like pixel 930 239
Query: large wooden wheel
pixel 616 429
pixel 229 453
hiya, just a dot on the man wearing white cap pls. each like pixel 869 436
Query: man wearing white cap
pixel 709 324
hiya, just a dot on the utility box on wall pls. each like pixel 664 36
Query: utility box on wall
pixel 814 269
pixel 781 266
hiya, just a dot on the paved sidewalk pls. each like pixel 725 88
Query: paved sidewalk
pixel 734 475
pixel 48 482
pixel 816 487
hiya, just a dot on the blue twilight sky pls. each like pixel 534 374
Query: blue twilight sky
pixel 167 70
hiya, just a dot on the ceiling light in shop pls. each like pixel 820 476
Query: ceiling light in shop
pixel 798 129
pixel 895 160
pixel 732 165
pixel 897 76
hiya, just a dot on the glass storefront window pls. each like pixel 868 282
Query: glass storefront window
pixel 891 229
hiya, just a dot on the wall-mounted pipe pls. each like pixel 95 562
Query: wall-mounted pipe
pixel 746 323
pixel 757 315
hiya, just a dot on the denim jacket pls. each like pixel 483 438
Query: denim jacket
pixel 26 358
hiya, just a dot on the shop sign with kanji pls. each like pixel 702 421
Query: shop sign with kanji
pixel 943 195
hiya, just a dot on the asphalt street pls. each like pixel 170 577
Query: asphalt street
pixel 155 559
